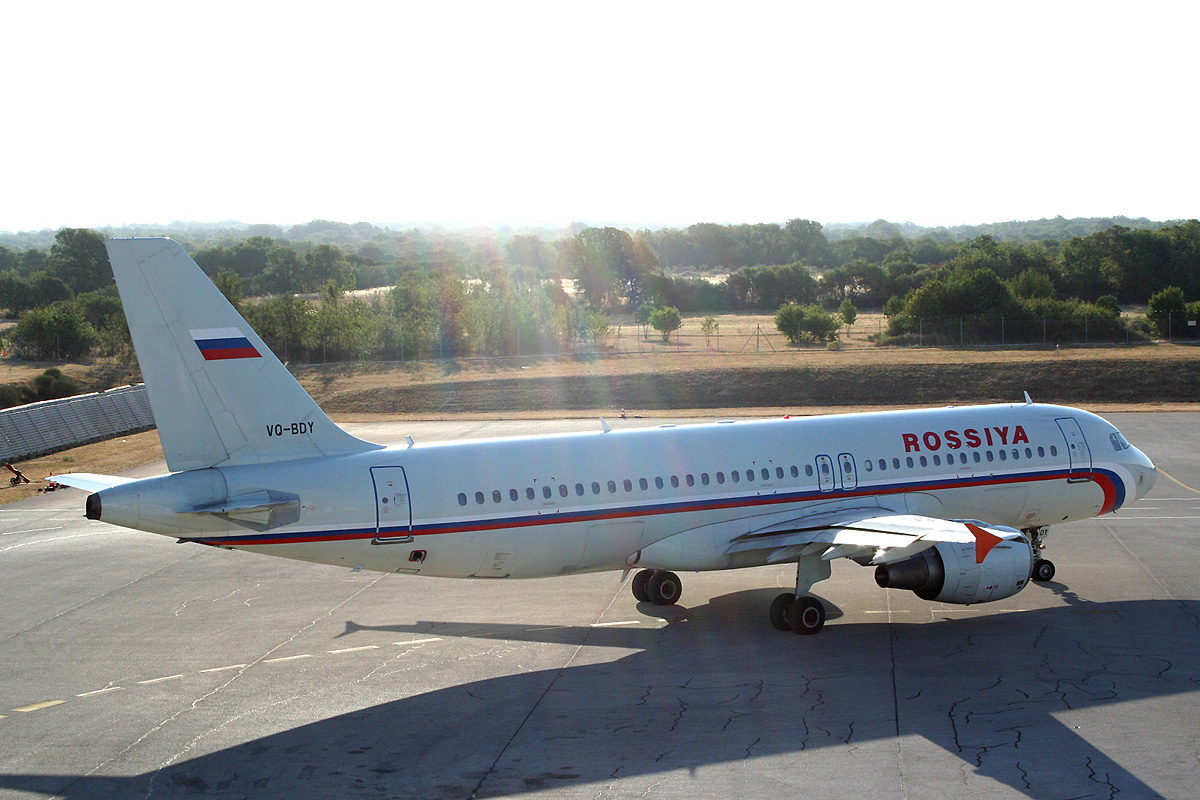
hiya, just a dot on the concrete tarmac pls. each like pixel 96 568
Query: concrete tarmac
pixel 131 666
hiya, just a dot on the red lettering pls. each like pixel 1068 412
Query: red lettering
pixel 910 442
pixel 988 433
pixel 972 437
pixel 1003 434
pixel 1019 436
pixel 952 440
pixel 932 441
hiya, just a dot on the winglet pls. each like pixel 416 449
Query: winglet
pixel 984 541
pixel 1028 399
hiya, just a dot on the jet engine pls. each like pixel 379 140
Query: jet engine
pixel 948 572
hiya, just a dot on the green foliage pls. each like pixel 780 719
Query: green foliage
pixel 57 331
pixel 847 312
pixel 770 287
pixel 230 284
pixel 709 327
pixel 610 267
pixel 80 260
pixel 1166 311
pixel 52 384
pixel 1031 283
pixel 666 321
pixel 806 323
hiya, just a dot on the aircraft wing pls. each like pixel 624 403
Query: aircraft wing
pixel 87 481
pixel 866 536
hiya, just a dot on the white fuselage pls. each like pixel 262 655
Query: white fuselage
pixel 667 497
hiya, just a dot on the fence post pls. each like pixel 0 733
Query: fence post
pixel 1043 328
pixel 1001 330
pixel 921 332
pixel 960 331
pixel 1085 328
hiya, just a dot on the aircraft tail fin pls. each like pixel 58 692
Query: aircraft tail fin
pixel 220 396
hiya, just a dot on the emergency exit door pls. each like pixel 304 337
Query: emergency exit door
pixel 393 513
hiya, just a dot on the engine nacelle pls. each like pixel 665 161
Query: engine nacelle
pixel 947 572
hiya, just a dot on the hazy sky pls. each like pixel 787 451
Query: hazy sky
pixel 630 113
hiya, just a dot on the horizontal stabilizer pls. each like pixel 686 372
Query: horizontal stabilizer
pixel 259 511
pixel 87 481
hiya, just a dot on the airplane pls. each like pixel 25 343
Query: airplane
pixel 953 504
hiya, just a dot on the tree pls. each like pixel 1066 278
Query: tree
pixel 810 322
pixel 79 258
pixel 1166 311
pixel 710 328
pixel 847 312
pixel 57 331
pixel 230 284
pixel 666 321
pixel 609 267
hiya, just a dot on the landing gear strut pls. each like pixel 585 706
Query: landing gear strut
pixel 657 586
pixel 1043 568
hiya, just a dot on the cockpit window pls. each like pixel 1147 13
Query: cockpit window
pixel 1119 442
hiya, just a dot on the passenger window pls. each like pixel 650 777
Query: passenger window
pixel 1053 450
pixel 766 475
pixel 690 480
pixel 924 461
pixel 495 495
pixel 977 459
pixel 612 487
pixel 795 472
pixel 962 458
pixel 628 485
pixel 824 468
pixel 595 488
pixel 937 461
pixel 674 481
pixel 513 496
pixel 750 475
pixel 720 477
pixel 990 457
pixel 479 498
pixel 562 489
pixel 546 492
pixel 704 478
pixel 895 463
pixel 808 470
pixel 779 472
pixel 1041 452
pixel 909 462
pixel 737 476
pixel 1016 453
pixel 643 484
pixel 530 494
pixel 579 489
pixel 882 463
pixel 658 483
pixel 1028 452
pixel 868 465
pixel 1003 456
pixel 462 499
pixel 846 467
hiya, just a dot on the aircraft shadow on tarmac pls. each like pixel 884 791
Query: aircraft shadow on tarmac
pixel 984 688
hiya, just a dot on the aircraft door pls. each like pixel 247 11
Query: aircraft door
pixel 1078 452
pixel 393 512
pixel 826 480
pixel 849 471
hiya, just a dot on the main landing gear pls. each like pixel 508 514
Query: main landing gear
pixel 657 586
pixel 804 615
pixel 790 611
pixel 1043 568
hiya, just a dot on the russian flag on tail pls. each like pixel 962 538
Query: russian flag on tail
pixel 221 343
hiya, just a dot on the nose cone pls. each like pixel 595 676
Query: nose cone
pixel 1144 473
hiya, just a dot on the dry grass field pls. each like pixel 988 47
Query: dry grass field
pixel 678 380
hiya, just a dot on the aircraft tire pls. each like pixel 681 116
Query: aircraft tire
pixel 640 579
pixel 1043 570
pixel 806 616
pixel 664 588
pixel 779 611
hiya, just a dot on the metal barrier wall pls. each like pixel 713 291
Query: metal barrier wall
pixel 39 429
